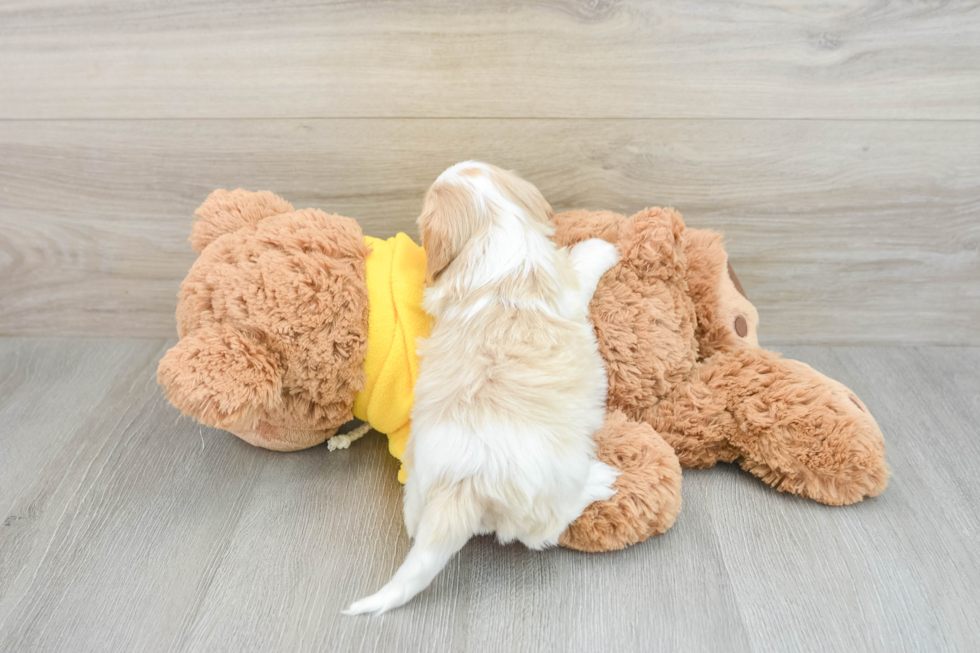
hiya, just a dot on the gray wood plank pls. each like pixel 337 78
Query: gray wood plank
pixel 842 232
pixel 344 545
pixel 128 528
pixel 151 550
pixel 898 572
pixel 113 538
pixel 561 58
pixel 62 372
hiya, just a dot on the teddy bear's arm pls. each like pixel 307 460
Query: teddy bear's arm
pixel 220 377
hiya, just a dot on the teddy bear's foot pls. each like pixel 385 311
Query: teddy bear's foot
pixel 822 443
pixel 281 438
pixel 815 439
pixel 648 495
pixel 781 420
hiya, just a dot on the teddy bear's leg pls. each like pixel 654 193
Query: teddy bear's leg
pixel 648 495
pixel 275 437
pixel 794 428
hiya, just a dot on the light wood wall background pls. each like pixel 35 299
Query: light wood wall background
pixel 836 144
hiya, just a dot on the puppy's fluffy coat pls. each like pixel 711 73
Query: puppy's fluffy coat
pixel 511 386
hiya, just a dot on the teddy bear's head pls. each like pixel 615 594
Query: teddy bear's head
pixel 272 320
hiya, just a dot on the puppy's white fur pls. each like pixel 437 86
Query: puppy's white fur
pixel 511 386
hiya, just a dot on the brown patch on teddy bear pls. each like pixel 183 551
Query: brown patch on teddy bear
pixel 741 328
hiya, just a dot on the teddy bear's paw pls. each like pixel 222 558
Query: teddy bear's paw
pixel 858 479
pixel 220 376
pixel 648 489
pixel 844 467
pixel 805 433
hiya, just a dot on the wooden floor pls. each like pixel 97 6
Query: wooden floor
pixel 128 528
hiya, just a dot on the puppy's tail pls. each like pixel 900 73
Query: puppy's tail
pixel 448 521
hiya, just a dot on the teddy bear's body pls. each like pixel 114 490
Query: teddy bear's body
pixel 681 344
pixel 274 320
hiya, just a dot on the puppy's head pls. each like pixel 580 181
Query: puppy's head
pixel 466 201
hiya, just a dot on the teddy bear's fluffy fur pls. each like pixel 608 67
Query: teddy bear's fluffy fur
pixel 273 320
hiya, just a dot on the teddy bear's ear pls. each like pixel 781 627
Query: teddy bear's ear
pixel 227 211
pixel 650 242
pixel 220 377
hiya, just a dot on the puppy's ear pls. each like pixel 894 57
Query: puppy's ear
pixel 448 221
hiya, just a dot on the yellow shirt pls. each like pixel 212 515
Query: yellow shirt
pixel 395 281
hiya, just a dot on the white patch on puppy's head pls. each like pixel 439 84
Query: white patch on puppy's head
pixel 494 217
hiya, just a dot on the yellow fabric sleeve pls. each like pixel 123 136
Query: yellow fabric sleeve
pixel 395 281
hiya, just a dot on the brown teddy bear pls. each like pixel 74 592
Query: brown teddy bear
pixel 680 341
pixel 291 323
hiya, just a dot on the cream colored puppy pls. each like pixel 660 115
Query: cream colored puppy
pixel 511 386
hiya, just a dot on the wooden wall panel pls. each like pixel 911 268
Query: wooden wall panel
pixel 841 231
pixel 432 58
